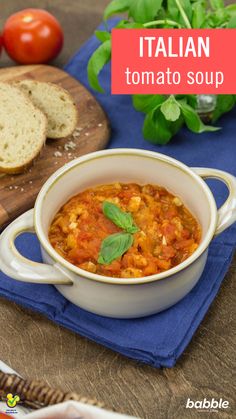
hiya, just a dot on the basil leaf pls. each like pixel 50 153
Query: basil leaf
pixel 126 24
pixel 120 218
pixel 116 7
pixel 180 11
pixel 218 18
pixel 176 125
pixel 147 103
pixel 232 22
pixel 217 4
pixel 97 61
pixel 170 109
pixel 224 104
pixel 144 10
pixel 114 246
pixel 172 9
pixel 156 128
pixel 231 9
pixel 199 14
pixel 193 120
pixel 103 35
pixel 190 99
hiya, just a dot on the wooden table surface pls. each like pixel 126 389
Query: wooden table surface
pixel 37 348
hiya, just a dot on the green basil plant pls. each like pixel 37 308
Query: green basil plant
pixel 165 115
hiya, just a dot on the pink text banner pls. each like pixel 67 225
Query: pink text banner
pixel 173 61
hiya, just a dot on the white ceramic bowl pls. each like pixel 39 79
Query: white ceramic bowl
pixel 115 297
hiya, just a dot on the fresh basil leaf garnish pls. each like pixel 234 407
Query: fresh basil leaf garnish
pixel 193 121
pixel 156 128
pixel 115 7
pixel 146 103
pixel 103 36
pixel 224 104
pixel 120 218
pixel 144 10
pixel 97 61
pixel 171 109
pixel 114 246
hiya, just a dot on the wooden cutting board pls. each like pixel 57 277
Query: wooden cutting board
pixel 18 193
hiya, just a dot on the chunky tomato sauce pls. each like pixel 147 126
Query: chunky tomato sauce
pixel 168 234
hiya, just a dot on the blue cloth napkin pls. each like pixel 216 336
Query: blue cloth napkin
pixel 160 339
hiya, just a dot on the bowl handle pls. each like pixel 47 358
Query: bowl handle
pixel 226 213
pixel 13 264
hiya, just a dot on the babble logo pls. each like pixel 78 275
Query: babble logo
pixel 207 404
pixel 12 400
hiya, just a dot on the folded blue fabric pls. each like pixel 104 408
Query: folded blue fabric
pixel 159 339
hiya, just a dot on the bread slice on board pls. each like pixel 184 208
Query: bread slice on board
pixel 56 103
pixel 22 130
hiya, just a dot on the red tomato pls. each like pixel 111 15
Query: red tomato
pixel 1 42
pixel 32 36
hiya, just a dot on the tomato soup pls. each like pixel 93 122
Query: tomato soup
pixel 166 234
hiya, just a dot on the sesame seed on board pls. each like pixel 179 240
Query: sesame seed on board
pixel 57 154
pixel 70 145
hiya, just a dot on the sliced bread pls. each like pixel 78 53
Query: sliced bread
pixel 22 130
pixel 56 103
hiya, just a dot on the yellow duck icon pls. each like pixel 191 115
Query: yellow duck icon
pixel 12 400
